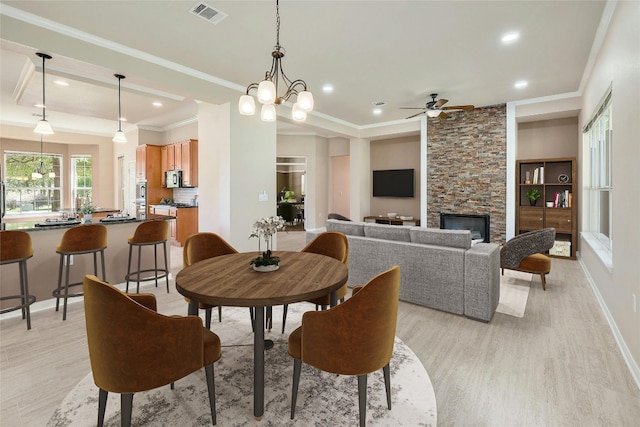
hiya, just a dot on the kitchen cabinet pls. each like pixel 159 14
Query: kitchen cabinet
pixel 181 156
pixel 556 180
pixel 185 224
pixel 149 169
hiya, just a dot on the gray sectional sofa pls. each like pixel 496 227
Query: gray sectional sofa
pixel 440 269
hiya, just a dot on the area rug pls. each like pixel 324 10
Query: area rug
pixel 514 292
pixel 323 399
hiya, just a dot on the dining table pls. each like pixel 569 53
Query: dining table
pixel 230 280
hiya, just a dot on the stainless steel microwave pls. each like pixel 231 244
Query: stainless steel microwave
pixel 173 179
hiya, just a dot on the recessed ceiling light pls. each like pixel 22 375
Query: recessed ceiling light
pixel 40 106
pixel 521 84
pixel 157 104
pixel 123 119
pixel 512 37
pixel 328 88
pixel 377 111
pixel 61 83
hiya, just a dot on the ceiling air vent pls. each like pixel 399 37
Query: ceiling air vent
pixel 208 13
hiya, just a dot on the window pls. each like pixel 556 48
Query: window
pixel 25 193
pixel 82 178
pixel 598 138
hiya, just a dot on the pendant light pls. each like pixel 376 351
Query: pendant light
pixel 37 172
pixel 43 127
pixel 119 136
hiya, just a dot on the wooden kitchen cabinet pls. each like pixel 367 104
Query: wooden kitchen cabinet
pixel 189 162
pixel 184 224
pixel 181 156
pixel 554 179
pixel 149 169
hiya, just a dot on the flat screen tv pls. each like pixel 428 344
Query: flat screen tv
pixel 393 183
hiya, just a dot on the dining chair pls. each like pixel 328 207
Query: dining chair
pixel 526 252
pixel 201 246
pixel 156 351
pixel 353 338
pixel 334 245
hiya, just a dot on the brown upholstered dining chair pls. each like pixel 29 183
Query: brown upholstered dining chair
pixel 526 252
pixel 201 246
pixel 334 245
pixel 126 359
pixel 353 338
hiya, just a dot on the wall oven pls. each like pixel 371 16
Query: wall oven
pixel 141 200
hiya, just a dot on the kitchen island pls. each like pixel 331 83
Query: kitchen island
pixel 43 267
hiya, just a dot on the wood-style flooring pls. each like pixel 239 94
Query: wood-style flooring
pixel 557 366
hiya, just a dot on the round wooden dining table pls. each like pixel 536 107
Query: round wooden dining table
pixel 230 280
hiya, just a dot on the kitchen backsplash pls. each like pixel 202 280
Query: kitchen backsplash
pixel 185 195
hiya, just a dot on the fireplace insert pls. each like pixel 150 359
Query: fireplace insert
pixel 477 224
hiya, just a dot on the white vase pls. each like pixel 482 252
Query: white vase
pixel 87 217
pixel 265 268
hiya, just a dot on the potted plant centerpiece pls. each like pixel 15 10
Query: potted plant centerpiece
pixel 266 228
pixel 533 195
pixel 87 211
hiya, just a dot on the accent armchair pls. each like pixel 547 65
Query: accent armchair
pixel 526 252
pixel 132 348
pixel 353 338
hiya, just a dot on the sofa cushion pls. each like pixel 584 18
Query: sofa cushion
pixel 350 228
pixel 439 237
pixel 387 232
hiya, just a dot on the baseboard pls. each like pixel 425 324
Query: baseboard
pixel 51 302
pixel 622 345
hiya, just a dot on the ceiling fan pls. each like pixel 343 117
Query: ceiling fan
pixel 435 108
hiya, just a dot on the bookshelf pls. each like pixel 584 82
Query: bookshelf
pixel 556 181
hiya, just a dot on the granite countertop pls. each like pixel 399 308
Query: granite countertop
pixel 32 225
pixel 173 206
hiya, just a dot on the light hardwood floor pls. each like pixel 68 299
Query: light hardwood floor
pixel 557 366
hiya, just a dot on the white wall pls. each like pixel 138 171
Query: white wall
pixel 236 163
pixel 618 65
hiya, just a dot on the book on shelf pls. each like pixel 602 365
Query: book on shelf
pixel 535 176
pixel 570 200
pixel 555 200
pixel 541 174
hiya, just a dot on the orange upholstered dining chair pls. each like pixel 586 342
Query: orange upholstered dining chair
pixel 156 352
pixel 334 245
pixel 201 246
pixel 353 338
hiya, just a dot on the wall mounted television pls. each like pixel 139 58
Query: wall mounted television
pixel 393 183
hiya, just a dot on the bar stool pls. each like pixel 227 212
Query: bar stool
pixel 15 246
pixel 149 233
pixel 79 240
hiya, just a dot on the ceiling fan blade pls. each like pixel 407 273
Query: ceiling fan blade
pixel 412 108
pixel 440 102
pixel 459 107
pixel 415 115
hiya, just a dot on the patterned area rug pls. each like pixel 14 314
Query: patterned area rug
pixel 323 399
pixel 514 292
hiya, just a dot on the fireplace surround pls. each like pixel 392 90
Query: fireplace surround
pixel 479 225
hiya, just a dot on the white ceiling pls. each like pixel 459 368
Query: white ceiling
pixel 397 52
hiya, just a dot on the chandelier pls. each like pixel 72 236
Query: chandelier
pixel 119 135
pixel 43 127
pixel 267 89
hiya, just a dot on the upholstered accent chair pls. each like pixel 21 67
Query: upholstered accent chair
pixel 353 338
pixel 526 252
pixel 133 348
pixel 201 246
pixel 338 216
pixel 334 245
